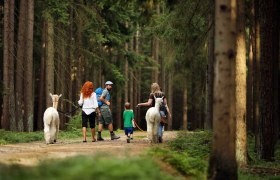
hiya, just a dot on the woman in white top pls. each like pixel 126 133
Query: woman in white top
pixel 89 105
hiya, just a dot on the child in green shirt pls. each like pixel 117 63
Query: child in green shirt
pixel 128 117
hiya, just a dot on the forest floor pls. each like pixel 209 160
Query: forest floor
pixel 33 153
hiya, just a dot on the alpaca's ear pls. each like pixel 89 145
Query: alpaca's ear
pixel 51 94
pixel 60 95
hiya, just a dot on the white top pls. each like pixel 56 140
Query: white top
pixel 89 104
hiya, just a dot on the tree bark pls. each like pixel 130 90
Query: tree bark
pixel 11 70
pixel 7 55
pixel 268 52
pixel 241 134
pixel 49 60
pixel 222 164
pixel 210 71
pixel 21 56
pixel 28 71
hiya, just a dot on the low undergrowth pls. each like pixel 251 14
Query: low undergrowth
pixel 85 168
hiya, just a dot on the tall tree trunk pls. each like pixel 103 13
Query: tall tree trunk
pixel 222 164
pixel 28 71
pixel 12 116
pixel 7 58
pixel 170 98
pixel 267 123
pixel 21 58
pixel 49 60
pixel 210 70
pixel 42 94
pixel 241 134
pixel 256 79
pixel 249 86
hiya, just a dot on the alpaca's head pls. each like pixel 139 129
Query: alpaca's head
pixel 55 99
pixel 158 102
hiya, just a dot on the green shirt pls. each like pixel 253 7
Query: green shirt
pixel 128 116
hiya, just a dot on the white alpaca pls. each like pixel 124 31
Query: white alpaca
pixel 51 121
pixel 153 119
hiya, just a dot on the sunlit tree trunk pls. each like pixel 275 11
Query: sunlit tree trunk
pixel 222 164
pixel 241 134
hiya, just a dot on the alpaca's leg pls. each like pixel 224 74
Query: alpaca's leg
pixel 52 132
pixel 155 132
pixel 149 130
pixel 57 129
pixel 47 133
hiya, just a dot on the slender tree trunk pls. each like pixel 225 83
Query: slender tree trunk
pixel 21 56
pixel 28 71
pixel 241 134
pixel 256 79
pixel 7 55
pixel 49 60
pixel 170 98
pixel 210 69
pixel 11 70
pixel 42 88
pixel 222 164
pixel 249 90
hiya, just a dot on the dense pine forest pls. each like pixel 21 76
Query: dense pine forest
pixel 216 61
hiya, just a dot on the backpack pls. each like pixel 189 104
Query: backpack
pixel 98 92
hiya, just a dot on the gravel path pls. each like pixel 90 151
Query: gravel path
pixel 32 153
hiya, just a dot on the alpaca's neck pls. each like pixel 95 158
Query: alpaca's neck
pixel 157 105
pixel 55 105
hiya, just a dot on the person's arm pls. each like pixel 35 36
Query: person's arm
pixel 102 98
pixel 148 103
pixel 96 104
pixel 167 109
pixel 80 102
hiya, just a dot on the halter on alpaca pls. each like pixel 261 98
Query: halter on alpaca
pixel 153 119
pixel 51 121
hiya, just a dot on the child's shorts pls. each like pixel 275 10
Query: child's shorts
pixel 128 130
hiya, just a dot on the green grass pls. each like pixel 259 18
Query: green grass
pixel 83 168
pixel 188 153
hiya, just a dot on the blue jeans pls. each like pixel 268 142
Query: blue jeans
pixel 160 129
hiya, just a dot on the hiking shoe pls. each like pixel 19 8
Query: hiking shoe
pixel 113 136
pixel 160 139
pixel 99 138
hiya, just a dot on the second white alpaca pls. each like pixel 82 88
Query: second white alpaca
pixel 153 119
pixel 51 121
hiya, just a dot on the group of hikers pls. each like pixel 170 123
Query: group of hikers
pixel 97 104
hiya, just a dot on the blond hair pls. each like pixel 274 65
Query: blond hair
pixel 155 88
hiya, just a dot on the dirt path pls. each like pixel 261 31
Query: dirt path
pixel 32 153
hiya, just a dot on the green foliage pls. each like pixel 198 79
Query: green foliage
pixel 7 137
pixel 82 167
pixel 188 153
